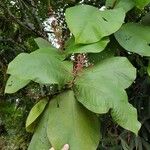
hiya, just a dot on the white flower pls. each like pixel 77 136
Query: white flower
pixel 72 57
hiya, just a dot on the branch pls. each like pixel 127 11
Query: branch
pixel 12 41
pixel 7 10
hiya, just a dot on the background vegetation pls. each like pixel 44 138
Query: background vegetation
pixel 23 20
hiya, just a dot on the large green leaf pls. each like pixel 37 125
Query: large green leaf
pixel 35 112
pixel 135 38
pixel 51 51
pixel 86 48
pixel 69 122
pixel 88 24
pixel 118 70
pixel 101 88
pixel 141 3
pixel 125 4
pixel 42 66
pixel 39 140
pixel 14 84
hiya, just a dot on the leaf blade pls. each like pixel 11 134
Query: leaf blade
pixel 71 123
pixel 35 112
pixel 101 89
pixel 89 48
pixel 131 33
pixel 14 84
pixel 39 139
pixel 43 67
pixel 125 4
pixel 141 3
pixel 42 43
pixel 98 25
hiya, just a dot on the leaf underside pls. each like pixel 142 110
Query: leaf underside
pixel 69 122
pixel 65 120
pixel 44 66
pixel 35 112
pixel 97 47
pixel 135 38
pixel 101 88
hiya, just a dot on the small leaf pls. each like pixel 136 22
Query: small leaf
pixel 69 122
pixel 39 140
pixel 89 25
pixel 101 88
pixel 42 43
pixel 35 112
pixel 14 84
pixel 133 37
pixel 86 48
pixel 125 4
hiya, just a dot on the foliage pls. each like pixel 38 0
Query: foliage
pixel 131 32
pixel 82 91
pixel 99 25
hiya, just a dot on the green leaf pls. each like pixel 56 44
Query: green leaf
pixel 14 84
pixel 69 122
pixel 42 66
pixel 39 140
pixel 42 43
pixel 133 37
pixel 68 66
pixel 118 70
pixel 125 4
pixel 89 48
pixel 35 112
pixel 89 25
pixel 101 88
pixel 141 3
pixel 50 51
pixel 110 3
